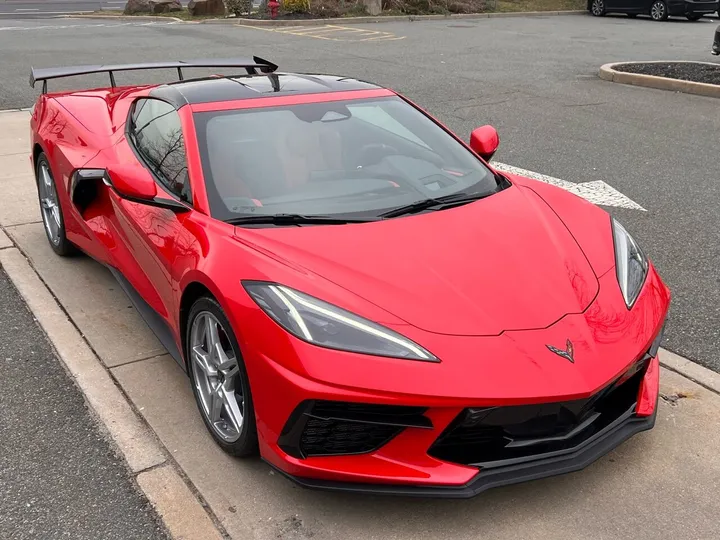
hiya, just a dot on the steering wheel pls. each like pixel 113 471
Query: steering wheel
pixel 373 153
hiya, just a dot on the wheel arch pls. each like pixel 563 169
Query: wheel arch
pixel 195 286
pixel 192 292
pixel 37 150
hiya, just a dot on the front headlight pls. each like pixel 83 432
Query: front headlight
pixel 323 324
pixel 630 262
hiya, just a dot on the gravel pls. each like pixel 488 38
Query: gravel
pixel 685 71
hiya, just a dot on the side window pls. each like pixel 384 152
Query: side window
pixel 157 134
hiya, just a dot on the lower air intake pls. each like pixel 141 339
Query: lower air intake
pixel 495 436
pixel 333 428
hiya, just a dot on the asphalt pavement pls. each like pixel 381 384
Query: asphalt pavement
pixel 33 9
pixel 534 78
pixel 59 477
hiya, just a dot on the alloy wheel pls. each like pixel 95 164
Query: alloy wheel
pixel 49 204
pixel 598 8
pixel 217 376
pixel 658 11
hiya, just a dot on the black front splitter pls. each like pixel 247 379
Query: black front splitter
pixel 488 478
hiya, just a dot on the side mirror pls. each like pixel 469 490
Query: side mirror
pixel 485 141
pixel 132 182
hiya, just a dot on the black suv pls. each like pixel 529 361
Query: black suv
pixel 659 10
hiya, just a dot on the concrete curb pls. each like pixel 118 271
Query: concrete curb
pixel 120 17
pixel 155 472
pixel 336 20
pixel 608 73
pixel 687 368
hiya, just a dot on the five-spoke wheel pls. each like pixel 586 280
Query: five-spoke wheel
pixel 50 208
pixel 219 379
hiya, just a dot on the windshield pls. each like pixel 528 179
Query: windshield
pixel 342 158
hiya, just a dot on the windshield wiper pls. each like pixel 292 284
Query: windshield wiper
pixel 296 219
pixel 438 203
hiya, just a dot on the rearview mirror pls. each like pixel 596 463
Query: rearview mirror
pixel 132 182
pixel 485 141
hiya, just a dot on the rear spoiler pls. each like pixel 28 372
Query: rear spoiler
pixel 251 65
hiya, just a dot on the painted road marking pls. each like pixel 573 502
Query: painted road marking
pixel 597 192
pixel 74 26
pixel 331 32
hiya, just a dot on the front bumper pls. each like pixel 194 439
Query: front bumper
pixel 687 7
pixel 408 460
pixel 614 435
pixel 402 466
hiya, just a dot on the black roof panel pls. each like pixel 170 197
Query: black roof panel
pixel 213 89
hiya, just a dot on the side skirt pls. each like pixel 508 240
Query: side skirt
pixel 157 324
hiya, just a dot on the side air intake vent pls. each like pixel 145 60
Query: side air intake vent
pixel 332 428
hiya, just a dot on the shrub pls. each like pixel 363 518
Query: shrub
pixel 296 6
pixel 336 8
pixel 238 7
pixel 422 7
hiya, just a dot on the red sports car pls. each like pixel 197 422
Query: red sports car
pixel 352 290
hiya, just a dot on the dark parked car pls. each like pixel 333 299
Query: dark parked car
pixel 659 10
pixel 716 42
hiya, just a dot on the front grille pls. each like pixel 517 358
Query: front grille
pixel 332 428
pixel 492 435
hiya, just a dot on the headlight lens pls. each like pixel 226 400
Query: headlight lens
pixel 630 262
pixel 323 324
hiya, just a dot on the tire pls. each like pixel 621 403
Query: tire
pixel 659 11
pixel 693 17
pixel 597 8
pixel 51 208
pixel 214 395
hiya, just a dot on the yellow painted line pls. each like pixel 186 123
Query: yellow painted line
pixel 390 37
pixel 256 27
pixel 316 31
pixel 341 33
pixel 350 29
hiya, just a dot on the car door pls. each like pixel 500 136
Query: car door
pixel 156 238
pixel 630 6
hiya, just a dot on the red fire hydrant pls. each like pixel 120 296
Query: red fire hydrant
pixel 273 6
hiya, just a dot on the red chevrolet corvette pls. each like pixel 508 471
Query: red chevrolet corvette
pixel 352 290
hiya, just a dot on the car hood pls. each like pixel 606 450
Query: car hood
pixel 502 263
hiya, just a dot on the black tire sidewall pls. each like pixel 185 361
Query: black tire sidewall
pixel 64 247
pixel 247 444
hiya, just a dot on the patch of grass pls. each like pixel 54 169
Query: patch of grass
pixel 539 5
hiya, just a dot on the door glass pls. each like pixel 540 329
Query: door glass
pixel 157 135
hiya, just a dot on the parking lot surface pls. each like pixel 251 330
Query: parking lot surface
pixel 534 78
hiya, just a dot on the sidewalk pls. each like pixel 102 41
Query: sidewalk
pixel 59 476
pixel 660 484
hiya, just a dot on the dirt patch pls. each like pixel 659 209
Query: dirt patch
pixel 684 71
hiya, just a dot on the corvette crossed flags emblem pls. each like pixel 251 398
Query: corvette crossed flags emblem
pixel 566 354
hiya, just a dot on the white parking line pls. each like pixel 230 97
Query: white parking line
pixel 597 192
pixel 76 26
